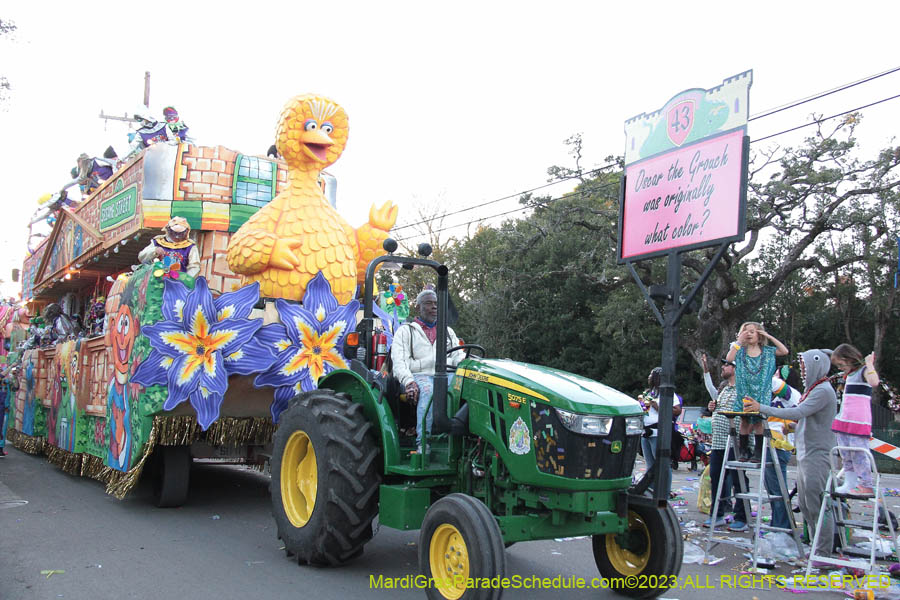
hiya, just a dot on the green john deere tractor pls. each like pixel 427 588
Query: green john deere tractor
pixel 517 452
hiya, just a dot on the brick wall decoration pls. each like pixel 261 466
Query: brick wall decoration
pixel 213 246
pixel 206 174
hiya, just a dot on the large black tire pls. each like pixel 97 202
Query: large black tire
pixel 463 525
pixel 173 476
pixel 676 553
pixel 325 478
pixel 650 561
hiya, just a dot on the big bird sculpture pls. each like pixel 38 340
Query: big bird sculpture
pixel 287 242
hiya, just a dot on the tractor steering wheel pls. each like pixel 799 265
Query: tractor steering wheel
pixel 468 348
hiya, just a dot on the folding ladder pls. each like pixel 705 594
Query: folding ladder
pixel 769 458
pixel 841 521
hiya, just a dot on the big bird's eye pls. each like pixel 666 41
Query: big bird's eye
pixel 310 125
pixel 327 127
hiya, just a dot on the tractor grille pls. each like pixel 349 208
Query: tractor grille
pixel 559 451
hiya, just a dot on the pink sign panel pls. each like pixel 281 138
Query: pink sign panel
pixel 685 197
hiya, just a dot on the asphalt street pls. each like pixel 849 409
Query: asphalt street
pixel 62 537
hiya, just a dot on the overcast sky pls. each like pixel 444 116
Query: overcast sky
pixel 459 102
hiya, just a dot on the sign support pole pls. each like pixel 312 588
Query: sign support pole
pixel 671 316
pixel 673 309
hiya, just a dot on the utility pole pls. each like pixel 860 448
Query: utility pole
pixel 126 118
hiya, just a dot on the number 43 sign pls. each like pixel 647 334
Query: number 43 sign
pixel 681 119
pixel 686 172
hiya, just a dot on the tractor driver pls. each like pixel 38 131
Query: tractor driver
pixel 413 354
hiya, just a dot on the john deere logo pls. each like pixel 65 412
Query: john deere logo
pixel 616 447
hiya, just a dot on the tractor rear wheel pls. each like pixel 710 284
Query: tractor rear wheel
pixel 644 561
pixel 460 540
pixel 325 478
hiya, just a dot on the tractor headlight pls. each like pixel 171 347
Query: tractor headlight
pixel 586 424
pixel 634 426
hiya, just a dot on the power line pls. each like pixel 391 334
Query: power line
pixel 841 114
pixel 515 195
pixel 778 109
pixel 765 113
pixel 612 164
pixel 522 208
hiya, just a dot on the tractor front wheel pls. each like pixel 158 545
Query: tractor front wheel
pixel 324 478
pixel 460 540
pixel 644 561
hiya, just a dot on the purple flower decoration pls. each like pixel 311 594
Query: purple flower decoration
pixel 307 342
pixel 191 343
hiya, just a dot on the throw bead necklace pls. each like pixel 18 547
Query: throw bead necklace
pixel 746 363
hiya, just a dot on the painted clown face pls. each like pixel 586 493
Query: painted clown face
pixel 124 330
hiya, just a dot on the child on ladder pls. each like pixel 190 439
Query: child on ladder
pixel 754 368
pixel 853 425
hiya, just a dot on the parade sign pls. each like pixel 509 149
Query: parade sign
pixel 686 172
pixel 118 209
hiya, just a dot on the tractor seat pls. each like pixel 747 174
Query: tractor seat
pixel 390 391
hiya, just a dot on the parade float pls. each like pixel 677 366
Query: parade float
pixel 101 397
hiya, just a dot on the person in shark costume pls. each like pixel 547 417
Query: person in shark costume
pixel 814 440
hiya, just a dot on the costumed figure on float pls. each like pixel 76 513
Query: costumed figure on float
pixel 90 172
pixel 174 247
pixel 149 132
pixel 177 127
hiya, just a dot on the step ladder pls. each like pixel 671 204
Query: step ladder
pixel 831 499
pixel 769 458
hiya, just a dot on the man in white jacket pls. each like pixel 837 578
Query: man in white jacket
pixel 413 354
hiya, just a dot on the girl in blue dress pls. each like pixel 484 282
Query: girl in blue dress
pixel 754 361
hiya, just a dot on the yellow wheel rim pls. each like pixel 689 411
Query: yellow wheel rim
pixel 449 561
pixel 626 561
pixel 299 479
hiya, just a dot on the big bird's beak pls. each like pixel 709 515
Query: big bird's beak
pixel 316 144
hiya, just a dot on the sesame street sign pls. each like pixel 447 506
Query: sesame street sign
pixel 118 209
pixel 686 172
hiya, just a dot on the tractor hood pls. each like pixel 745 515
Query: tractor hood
pixel 558 388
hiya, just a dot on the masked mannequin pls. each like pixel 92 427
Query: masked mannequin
pixel 174 243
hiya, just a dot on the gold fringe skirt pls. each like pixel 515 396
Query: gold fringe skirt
pixel 25 443
pixel 166 431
